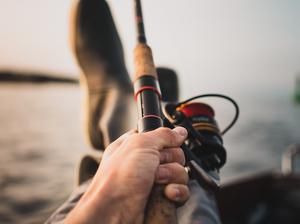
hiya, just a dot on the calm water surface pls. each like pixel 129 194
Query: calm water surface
pixel 41 142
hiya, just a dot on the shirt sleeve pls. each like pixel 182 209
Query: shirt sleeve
pixel 61 213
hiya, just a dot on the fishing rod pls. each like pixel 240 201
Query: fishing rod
pixel 159 209
pixel 203 149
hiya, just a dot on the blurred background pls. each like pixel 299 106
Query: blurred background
pixel 249 50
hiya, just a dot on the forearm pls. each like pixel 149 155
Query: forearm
pixel 75 205
pixel 102 203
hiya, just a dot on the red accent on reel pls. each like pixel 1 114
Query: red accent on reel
pixel 196 109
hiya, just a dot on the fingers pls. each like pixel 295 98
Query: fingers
pixel 159 139
pixel 176 178
pixel 177 192
pixel 171 173
pixel 166 137
pixel 171 155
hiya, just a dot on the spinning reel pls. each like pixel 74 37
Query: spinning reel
pixel 204 150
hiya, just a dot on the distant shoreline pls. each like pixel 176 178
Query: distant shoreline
pixel 18 77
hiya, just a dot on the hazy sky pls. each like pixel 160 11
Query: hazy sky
pixel 224 45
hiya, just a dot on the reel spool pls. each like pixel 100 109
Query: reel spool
pixel 203 149
pixel 205 139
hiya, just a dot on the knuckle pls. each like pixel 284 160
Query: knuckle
pixel 134 140
pixel 177 166
pixel 177 173
pixel 171 171
pixel 165 131
pixel 170 136
pixel 180 156
pixel 181 173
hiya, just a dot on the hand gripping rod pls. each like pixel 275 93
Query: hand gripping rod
pixel 159 209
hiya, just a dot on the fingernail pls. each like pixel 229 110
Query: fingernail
pixel 181 131
pixel 163 174
pixel 177 194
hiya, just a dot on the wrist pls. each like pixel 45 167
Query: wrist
pixel 98 205
pixel 104 202
pixel 116 205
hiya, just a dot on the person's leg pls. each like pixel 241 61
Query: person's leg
pixel 108 103
pixel 109 109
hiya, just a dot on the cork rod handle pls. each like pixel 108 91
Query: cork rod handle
pixel 144 64
pixel 159 209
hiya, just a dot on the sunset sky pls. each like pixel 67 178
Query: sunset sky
pixel 224 45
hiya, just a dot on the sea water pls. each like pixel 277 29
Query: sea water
pixel 41 142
